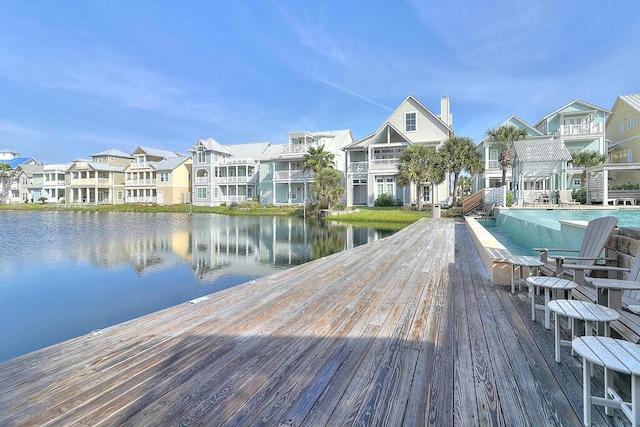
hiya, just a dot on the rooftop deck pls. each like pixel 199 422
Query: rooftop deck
pixel 407 330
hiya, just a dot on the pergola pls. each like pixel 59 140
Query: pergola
pixel 539 159
pixel 598 179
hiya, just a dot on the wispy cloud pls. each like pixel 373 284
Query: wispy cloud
pixel 352 93
pixel 16 130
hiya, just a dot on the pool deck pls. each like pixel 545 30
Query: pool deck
pixel 407 330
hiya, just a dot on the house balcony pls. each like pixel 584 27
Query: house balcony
pixel 232 179
pixel 582 129
pixel 384 163
pixel 141 199
pixel 142 165
pixel 50 184
pixel 358 168
pixel 293 175
pixel 493 165
pixel 296 149
pixel 202 179
pixel 140 182
pixel 89 182
pixel 232 161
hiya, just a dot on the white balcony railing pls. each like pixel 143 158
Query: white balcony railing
pixel 140 182
pixel 582 129
pixel 142 165
pixel 231 199
pixel 384 162
pixel 140 199
pixel 232 179
pixel 232 161
pixel 53 183
pixel 202 180
pixel 297 175
pixel 493 165
pixel 296 148
pixel 357 167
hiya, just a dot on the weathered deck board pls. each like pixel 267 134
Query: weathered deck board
pixel 407 330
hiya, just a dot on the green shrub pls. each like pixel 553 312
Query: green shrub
pixel 509 198
pixel 580 195
pixel 384 199
pixel 233 206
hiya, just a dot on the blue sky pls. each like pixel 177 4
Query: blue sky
pixel 79 77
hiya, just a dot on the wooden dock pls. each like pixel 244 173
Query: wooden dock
pixel 407 330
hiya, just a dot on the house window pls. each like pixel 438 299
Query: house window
pixel 410 122
pixel 202 156
pixel 202 192
pixel 576 182
pixel 621 127
pixel 628 124
pixel 164 176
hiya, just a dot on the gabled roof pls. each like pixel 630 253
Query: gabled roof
pixel 576 101
pixel 170 163
pixel 155 152
pixel 98 166
pixel 541 150
pixel 365 141
pixel 212 145
pixel 29 170
pixel 252 150
pixel 632 100
pixel 17 161
pixel 113 153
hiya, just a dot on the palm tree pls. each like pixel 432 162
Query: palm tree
pixel 328 186
pixel 420 164
pixel 585 159
pixel 459 155
pixel 5 176
pixel 316 159
pixel 506 135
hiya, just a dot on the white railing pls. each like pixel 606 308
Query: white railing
pixel 493 165
pixel 141 199
pixel 142 165
pixel 53 183
pixel 358 166
pixel 140 182
pixel 232 161
pixel 89 181
pixel 232 179
pixel 231 199
pixel 293 175
pixel 202 180
pixel 296 148
pixel 384 162
pixel 582 129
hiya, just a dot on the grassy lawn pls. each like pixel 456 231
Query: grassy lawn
pixel 379 217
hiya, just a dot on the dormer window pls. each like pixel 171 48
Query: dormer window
pixel 410 122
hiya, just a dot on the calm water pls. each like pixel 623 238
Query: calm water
pixel 65 274
pixel 541 228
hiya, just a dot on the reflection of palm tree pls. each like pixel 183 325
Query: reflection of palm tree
pixel 326 241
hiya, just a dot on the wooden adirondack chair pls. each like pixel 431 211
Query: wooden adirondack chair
pixel 595 237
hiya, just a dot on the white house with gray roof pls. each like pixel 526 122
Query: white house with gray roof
pixel 372 162
pixel 99 180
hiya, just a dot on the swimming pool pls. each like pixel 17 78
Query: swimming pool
pixel 520 230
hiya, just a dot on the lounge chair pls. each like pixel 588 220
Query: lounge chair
pixel 630 299
pixel 595 237
pixel 566 198
pixel 530 198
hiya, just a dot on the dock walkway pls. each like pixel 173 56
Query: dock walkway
pixel 406 330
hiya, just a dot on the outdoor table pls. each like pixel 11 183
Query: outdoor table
pixel 613 355
pixel 549 284
pixel 580 310
pixel 522 261
pixel 612 297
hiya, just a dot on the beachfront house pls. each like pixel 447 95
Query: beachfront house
pixel 99 180
pixel 25 184
pixel 372 161
pixel 283 178
pixel 623 134
pixel 158 176
pixel 224 174
pixel 576 126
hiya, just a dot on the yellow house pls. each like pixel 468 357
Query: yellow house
pixel 99 180
pixel 158 176
pixel 623 133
